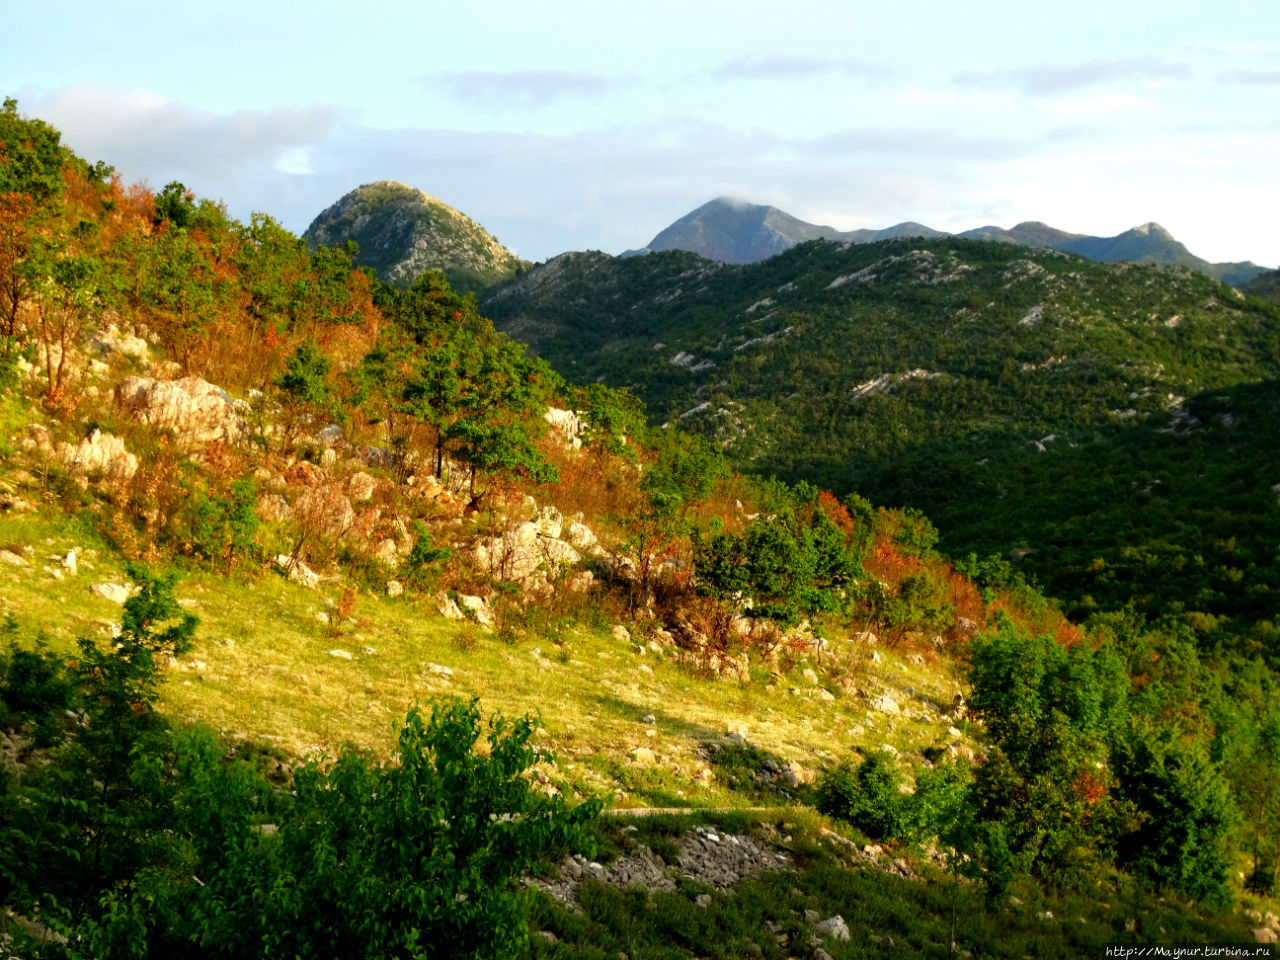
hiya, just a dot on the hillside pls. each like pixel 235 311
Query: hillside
pixel 933 373
pixel 733 231
pixel 1266 285
pixel 333 620
pixel 402 232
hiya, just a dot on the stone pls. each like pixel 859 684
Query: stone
pixel 885 704
pixel 834 927
pixel 297 571
pixel 568 424
pixel 649 719
pixel 549 523
pixel 9 558
pixel 479 608
pixel 643 755
pixel 272 507
pixel 196 411
pixel 324 510
pixel 111 342
pixel 820 954
pixel 114 592
pixel 448 609
pixel 330 435
pixel 438 670
pixel 580 537
pixel 100 454
pixel 395 588
pixel 809 676
pixel 620 633
pixel 360 487
pixel 387 553
pixel 702 900
pixel 1266 935
pixel 340 654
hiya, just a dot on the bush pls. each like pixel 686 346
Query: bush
pixel 866 796
pixel 416 857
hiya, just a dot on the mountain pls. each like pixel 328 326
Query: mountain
pixel 954 376
pixel 733 231
pixel 403 232
pixel 1265 285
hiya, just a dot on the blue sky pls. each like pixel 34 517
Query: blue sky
pixel 587 125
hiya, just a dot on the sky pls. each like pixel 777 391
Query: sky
pixel 588 125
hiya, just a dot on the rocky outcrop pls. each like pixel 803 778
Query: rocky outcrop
pixel 195 410
pixel 100 455
pixel 532 550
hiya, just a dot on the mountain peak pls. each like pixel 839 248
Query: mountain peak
pixel 403 232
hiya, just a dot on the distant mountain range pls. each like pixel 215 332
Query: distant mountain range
pixel 403 232
pixel 734 231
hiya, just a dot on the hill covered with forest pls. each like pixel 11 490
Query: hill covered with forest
pixel 1109 423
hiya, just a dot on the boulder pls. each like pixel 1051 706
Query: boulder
pixel 885 704
pixel 448 609
pixel 479 608
pixel 9 558
pixel 330 435
pixel 297 571
pixel 395 588
pixel 114 592
pixel 112 343
pixel 99 455
pixel 833 927
pixel 620 633
pixel 568 424
pixel 324 510
pixel 360 487
pixel 580 536
pixel 196 411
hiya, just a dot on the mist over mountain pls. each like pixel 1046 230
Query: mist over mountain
pixel 402 232
pixel 734 231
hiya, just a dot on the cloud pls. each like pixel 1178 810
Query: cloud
pixel 146 135
pixel 523 89
pixel 794 66
pixel 1047 80
pixel 1256 78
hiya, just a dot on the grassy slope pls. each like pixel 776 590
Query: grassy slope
pixel 262 670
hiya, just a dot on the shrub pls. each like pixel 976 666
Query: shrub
pixel 866 796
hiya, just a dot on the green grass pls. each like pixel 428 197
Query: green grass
pixel 262 670
pixel 887 915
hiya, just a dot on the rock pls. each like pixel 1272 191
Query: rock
pixel 111 342
pixel 885 704
pixel 479 608
pixel 448 609
pixel 395 588
pixel 820 954
pixel 387 553
pixel 272 507
pixel 549 522
pixel 360 487
pixel 340 654
pixel 1044 915
pixel 9 558
pixel 643 755
pixel 115 592
pixel 438 670
pixel 568 424
pixel 620 633
pixel 1266 935
pixel 546 935
pixel 330 435
pixel 99 455
pixel 297 571
pixel 833 927
pixel 649 719
pixel 197 411
pixel 69 563
pixel 702 900
pixel 324 510
pixel 580 537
